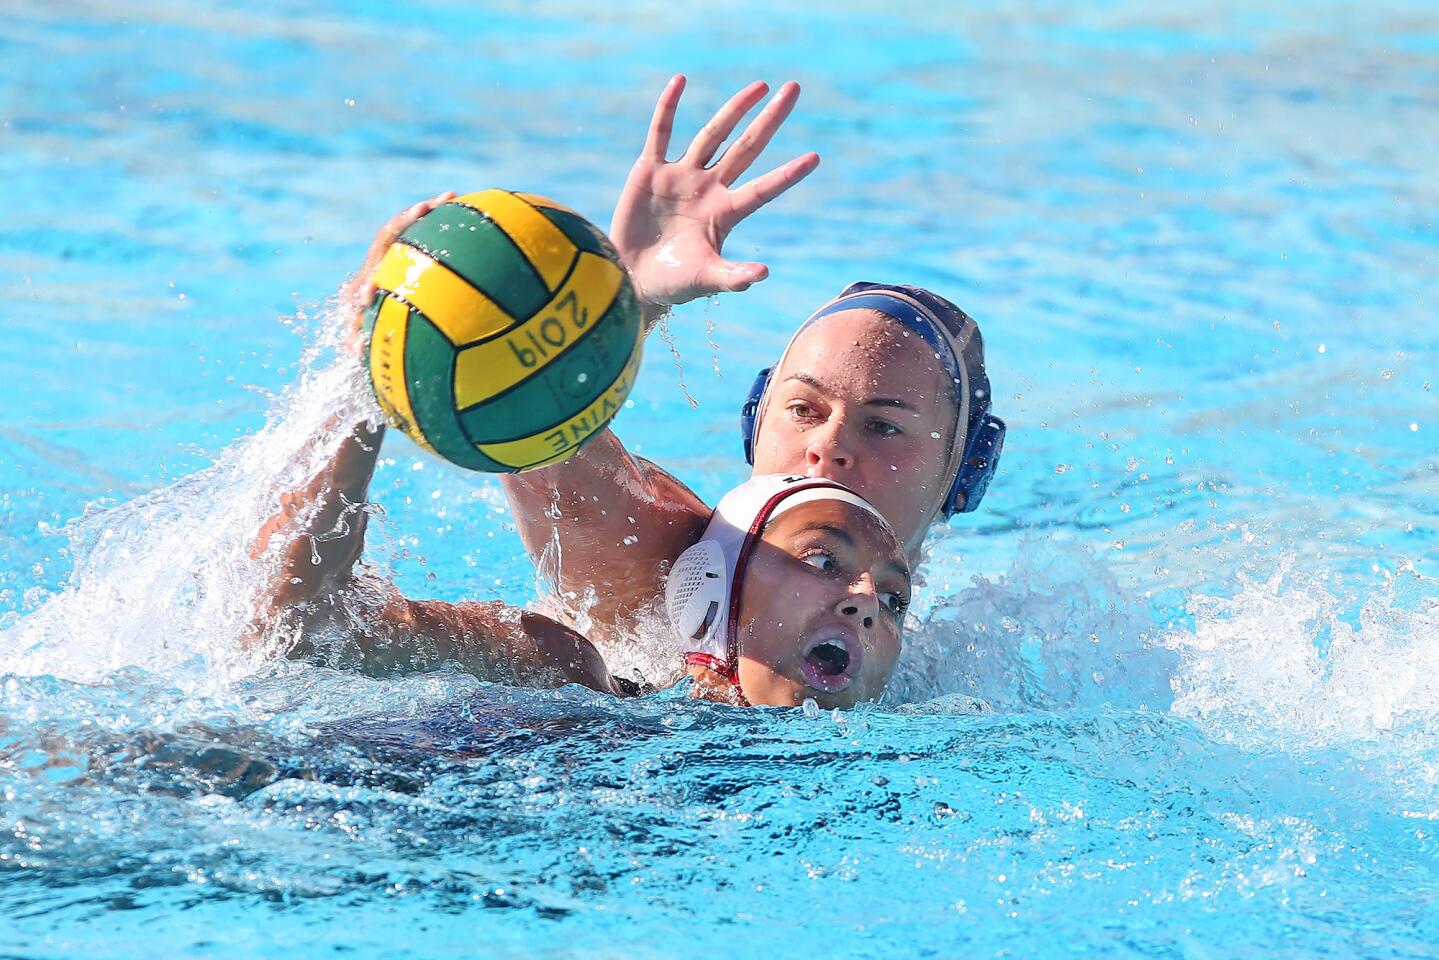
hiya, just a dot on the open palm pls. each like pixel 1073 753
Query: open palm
pixel 672 218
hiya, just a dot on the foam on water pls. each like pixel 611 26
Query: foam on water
pixel 1287 663
pixel 1056 631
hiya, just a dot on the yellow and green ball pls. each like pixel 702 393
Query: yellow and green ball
pixel 505 332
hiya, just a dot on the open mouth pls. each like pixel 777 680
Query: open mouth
pixel 830 663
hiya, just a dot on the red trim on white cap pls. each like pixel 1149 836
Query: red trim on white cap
pixel 718 666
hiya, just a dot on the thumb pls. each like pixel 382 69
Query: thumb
pixel 727 276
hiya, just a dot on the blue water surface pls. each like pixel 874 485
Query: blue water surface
pixel 1198 601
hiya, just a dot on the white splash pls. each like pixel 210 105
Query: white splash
pixel 1256 667
pixel 1056 631
pixel 165 582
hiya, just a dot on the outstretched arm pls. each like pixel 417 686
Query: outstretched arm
pixel 323 524
pixel 492 640
pixel 610 519
pixel 617 518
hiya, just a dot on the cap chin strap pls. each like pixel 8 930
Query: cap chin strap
pixel 706 583
pixel 722 669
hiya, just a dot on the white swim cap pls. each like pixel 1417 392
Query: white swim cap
pixel 702 595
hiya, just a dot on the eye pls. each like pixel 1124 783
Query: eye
pixel 884 428
pixel 821 560
pixel 895 602
pixel 801 410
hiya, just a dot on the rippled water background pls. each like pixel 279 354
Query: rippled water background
pixel 1200 596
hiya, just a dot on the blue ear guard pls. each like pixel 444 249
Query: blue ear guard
pixel 981 459
pixel 750 412
pixel 984 434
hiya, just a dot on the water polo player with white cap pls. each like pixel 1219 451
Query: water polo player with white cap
pixel 796 591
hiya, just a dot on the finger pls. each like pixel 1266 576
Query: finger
pixel 393 227
pixel 762 189
pixel 397 225
pixel 727 276
pixel 721 125
pixel 757 135
pixel 662 124
pixel 410 214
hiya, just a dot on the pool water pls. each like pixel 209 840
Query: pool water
pixel 1168 693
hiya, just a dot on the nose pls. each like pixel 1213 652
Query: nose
pixel 861 604
pixel 828 449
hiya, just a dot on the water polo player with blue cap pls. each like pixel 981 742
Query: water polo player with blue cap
pixel 930 406
pixel 883 388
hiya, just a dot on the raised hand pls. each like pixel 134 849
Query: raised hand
pixel 359 290
pixel 673 217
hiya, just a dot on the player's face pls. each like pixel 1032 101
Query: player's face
pixel 862 399
pixel 823 599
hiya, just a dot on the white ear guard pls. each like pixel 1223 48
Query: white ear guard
pixel 697 592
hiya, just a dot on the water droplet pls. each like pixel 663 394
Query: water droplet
pixel 1322 348
pixel 934 435
pixel 583 377
pixel 1413 428
pixel 810 708
pixel 1060 469
pixel 1387 374
pixel 631 540
pixel 668 337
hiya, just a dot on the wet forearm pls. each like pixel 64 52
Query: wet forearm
pixel 323 524
pixel 491 640
pixel 653 313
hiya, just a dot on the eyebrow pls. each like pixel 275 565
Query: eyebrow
pixel 838 532
pixel 818 384
pixel 844 535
